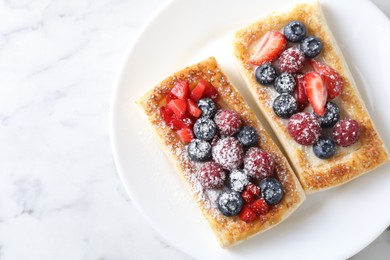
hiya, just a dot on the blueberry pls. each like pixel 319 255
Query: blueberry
pixel 311 46
pixel 324 148
pixel 265 74
pixel 285 106
pixel 285 83
pixel 294 31
pixel 230 203
pixel 332 115
pixel 271 190
pixel 205 129
pixel 248 136
pixel 199 150
pixel 238 179
pixel 208 107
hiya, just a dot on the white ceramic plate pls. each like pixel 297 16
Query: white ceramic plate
pixel 334 224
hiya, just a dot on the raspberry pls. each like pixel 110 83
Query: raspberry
pixel 228 153
pixel 346 132
pixel 211 175
pixel 291 60
pixel 304 127
pixel 260 207
pixel 258 163
pixel 247 215
pixel 228 122
pixel 247 196
pixel 250 193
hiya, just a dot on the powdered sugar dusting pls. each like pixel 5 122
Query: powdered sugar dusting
pixel 228 153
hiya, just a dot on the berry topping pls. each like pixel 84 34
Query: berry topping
pixel 230 203
pixel 166 114
pixel 193 109
pixel 178 107
pixel 285 83
pixel 316 92
pixel 332 115
pixel 210 92
pixel 300 92
pixel 294 31
pixel 228 122
pixel 169 97
pixel 250 193
pixel 291 60
pixel 176 124
pixel 211 176
pixel 181 89
pixel 265 74
pixel 199 150
pixel 311 46
pixel 258 163
pixel 248 136
pixel 208 107
pixel 304 128
pixel 228 153
pixel 271 191
pixel 285 106
pixel 332 79
pixel 247 215
pixel 199 89
pixel 260 206
pixel 185 135
pixel 238 179
pixel 346 132
pixel 324 148
pixel 271 45
pixel 205 128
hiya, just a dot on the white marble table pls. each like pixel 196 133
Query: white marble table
pixel 60 196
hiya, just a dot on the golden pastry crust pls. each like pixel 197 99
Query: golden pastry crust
pixel 229 230
pixel 344 166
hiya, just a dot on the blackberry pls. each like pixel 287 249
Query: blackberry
pixel 311 46
pixel 248 136
pixel 294 31
pixel 271 190
pixel 199 150
pixel 265 74
pixel 285 106
pixel 285 83
pixel 205 129
pixel 230 203
pixel 332 115
pixel 324 148
pixel 208 107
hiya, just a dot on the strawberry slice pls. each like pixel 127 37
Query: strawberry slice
pixel 166 114
pixel 177 124
pixel 178 106
pixel 300 92
pixel 193 109
pixel 181 89
pixel 210 92
pixel 316 92
pixel 271 46
pixel 198 91
pixel 332 79
pixel 185 135
pixel 260 207
pixel 247 215
pixel 169 97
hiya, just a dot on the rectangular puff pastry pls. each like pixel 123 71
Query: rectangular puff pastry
pixel 228 230
pixel 348 163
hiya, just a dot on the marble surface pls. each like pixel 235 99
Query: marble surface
pixel 60 195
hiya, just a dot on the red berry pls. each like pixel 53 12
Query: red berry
pixel 271 45
pixel 291 60
pixel 185 135
pixel 253 189
pixel 304 128
pixel 228 153
pixel 316 92
pixel 210 92
pixel 181 89
pixel 247 215
pixel 259 163
pixel 260 207
pixel 193 109
pixel 178 106
pixel 332 79
pixel 346 132
pixel 247 196
pixel 228 122
pixel 197 92
pixel 211 175
pixel 166 114
pixel 169 97
pixel 300 92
